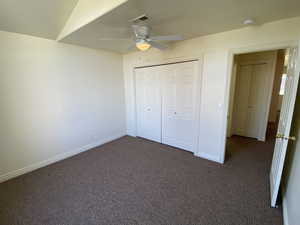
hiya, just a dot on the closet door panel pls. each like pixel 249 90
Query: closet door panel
pixel 179 105
pixel 169 95
pixel 257 99
pixel 185 79
pixel 148 105
pixel 243 85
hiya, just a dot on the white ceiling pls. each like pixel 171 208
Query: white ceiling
pixel 42 18
pixel 190 18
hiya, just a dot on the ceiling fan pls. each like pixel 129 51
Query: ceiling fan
pixel 143 39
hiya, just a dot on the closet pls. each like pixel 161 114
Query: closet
pixel 251 104
pixel 167 99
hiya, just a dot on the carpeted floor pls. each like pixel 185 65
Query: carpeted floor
pixel 133 181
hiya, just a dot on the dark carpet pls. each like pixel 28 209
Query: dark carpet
pixel 133 181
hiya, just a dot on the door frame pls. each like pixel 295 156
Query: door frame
pixel 261 136
pixel 175 60
pixel 229 79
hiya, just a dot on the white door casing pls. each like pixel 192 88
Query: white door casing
pixel 284 125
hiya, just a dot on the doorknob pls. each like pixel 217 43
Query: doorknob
pixel 290 138
pixel 281 136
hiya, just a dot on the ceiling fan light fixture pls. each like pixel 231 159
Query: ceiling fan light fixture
pixel 249 21
pixel 142 45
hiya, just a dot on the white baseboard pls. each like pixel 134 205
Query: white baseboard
pixel 208 156
pixel 285 213
pixel 57 158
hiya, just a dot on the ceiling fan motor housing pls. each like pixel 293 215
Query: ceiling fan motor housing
pixel 141 31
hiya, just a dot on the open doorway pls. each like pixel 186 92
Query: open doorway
pixel 263 90
pixel 256 94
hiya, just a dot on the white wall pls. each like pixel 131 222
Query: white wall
pixel 56 100
pixel 291 193
pixel 216 51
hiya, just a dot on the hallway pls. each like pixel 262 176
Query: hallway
pixel 264 150
pixel 253 159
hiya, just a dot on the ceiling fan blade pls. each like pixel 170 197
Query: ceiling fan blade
pixel 167 38
pixel 158 45
pixel 115 39
pixel 131 47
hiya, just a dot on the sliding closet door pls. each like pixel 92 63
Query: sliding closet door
pixel 148 103
pixel 179 97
